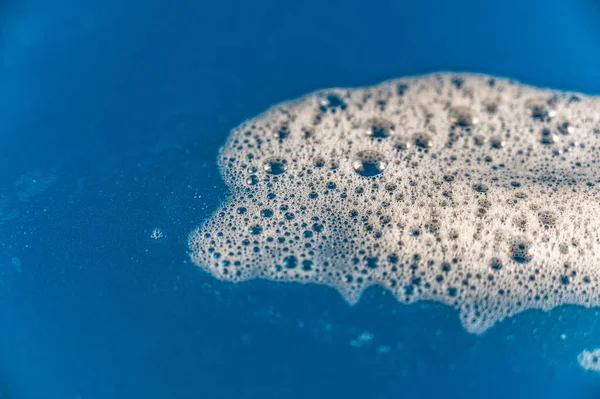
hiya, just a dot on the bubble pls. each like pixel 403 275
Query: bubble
pixel 282 132
pixel 496 263
pixel 319 163
pixel 497 142
pixel 548 137
pixel 479 140
pixel 255 230
pixel 156 234
pixel 379 128
pixel 369 163
pixel 332 102
pixel 252 180
pixel 520 250
pixel 307 265
pixel 462 116
pixel 565 128
pixel 401 143
pixel 290 262
pixel 539 110
pixel 480 188
pixel 289 216
pixel 275 165
pixel 266 213
pixel 423 140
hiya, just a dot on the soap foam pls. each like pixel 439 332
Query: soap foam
pixel 475 191
pixel 590 360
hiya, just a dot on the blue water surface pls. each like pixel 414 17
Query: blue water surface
pixel 112 114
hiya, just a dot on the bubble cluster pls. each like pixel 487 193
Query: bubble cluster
pixel 481 195
pixel 590 360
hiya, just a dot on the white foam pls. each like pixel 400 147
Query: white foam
pixel 484 196
pixel 590 360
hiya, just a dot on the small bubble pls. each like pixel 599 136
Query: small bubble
pixel 479 140
pixel 369 163
pixel 156 234
pixel 490 106
pixel 275 165
pixel 319 162
pixel 480 188
pixel 266 213
pixel 463 116
pixel 241 210
pixel 497 142
pixel 520 250
pixel 290 262
pixel 521 195
pixel 400 143
pixel 565 128
pixel 333 164
pixel 495 263
pixel 289 216
pixel 548 137
pixel 332 102
pixel 539 111
pixel 255 230
pixel 415 232
pixel 307 265
pixel 422 140
pixel 371 262
pixel 393 258
pixel 252 180
pixel 379 128
pixel 282 133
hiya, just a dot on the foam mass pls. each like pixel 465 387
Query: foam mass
pixel 471 190
pixel 590 360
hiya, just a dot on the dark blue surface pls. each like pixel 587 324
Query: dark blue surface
pixel 127 103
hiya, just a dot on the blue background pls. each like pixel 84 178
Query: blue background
pixel 127 102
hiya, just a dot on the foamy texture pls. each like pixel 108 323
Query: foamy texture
pixel 590 360
pixel 474 191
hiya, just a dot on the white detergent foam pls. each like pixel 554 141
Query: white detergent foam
pixel 590 360
pixel 470 190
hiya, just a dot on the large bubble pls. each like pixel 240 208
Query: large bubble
pixel 483 197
